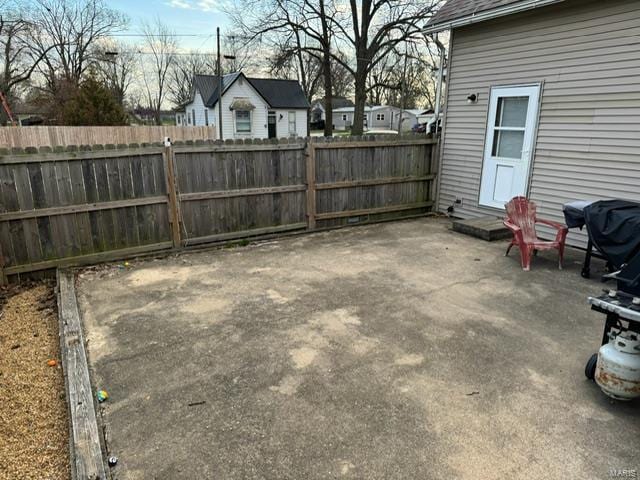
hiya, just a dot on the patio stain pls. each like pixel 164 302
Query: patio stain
pixel 276 297
pixel 410 359
pixel 288 385
pixel 303 357
pixel 219 307
pixel 407 292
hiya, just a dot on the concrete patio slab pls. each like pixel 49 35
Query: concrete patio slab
pixel 393 351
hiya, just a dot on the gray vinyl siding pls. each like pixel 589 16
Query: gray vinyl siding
pixel 390 118
pixel 586 54
pixel 339 123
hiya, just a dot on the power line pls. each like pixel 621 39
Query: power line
pixel 205 35
pixel 138 52
pixel 168 35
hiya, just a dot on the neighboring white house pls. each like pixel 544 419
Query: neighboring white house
pixel 317 109
pixel 414 116
pixel 251 107
pixel 381 117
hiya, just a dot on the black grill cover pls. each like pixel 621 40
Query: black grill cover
pixel 614 229
pixel 574 213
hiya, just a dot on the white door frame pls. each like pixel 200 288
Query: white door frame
pixel 521 166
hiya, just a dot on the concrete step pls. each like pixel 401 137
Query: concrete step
pixel 487 228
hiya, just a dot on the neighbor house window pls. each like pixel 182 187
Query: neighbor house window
pixel 380 117
pixel 243 121
pixel 206 117
pixel 344 117
pixel 292 123
pixel 193 117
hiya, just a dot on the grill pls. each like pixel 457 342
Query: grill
pixel 616 367
pixel 613 227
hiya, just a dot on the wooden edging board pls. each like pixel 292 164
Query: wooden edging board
pixel 86 452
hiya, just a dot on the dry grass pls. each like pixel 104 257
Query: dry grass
pixel 33 413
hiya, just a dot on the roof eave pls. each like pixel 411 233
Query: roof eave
pixel 488 15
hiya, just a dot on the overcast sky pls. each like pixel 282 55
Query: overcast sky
pixel 185 17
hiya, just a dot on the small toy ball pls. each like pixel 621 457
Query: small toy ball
pixel 112 461
pixel 102 395
pixel 52 363
pixel 126 264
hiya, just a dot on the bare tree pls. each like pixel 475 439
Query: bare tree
pixel 183 69
pixel 374 30
pixel 18 58
pixel 161 44
pixel 244 53
pixel 382 79
pixel 73 27
pixel 341 78
pixel 290 62
pixel 404 78
pixel 116 67
pixel 303 26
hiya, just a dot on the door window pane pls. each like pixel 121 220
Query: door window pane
pixel 512 112
pixel 292 123
pixel 507 144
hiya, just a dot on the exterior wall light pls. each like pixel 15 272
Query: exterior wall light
pixel 473 98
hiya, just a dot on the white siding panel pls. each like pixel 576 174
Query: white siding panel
pixel 282 124
pixel 242 89
pixel 198 106
pixel 588 143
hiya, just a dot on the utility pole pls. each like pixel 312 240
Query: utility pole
pixel 219 86
pixel 402 90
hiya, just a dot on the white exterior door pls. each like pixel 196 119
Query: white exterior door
pixel 511 125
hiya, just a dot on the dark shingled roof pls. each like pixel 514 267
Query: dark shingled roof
pixel 277 93
pixel 280 93
pixel 455 9
pixel 207 85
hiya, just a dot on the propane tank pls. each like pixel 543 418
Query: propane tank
pixel 618 367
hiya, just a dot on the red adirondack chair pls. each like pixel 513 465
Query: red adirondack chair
pixel 521 220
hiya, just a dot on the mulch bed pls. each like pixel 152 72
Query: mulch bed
pixel 33 414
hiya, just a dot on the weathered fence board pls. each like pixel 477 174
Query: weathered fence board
pixel 77 207
pixel 371 180
pixel 68 208
pixel 45 136
pixel 236 190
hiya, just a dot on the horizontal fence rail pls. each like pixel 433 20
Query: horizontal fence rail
pixel 85 206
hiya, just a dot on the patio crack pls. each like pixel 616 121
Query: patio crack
pixel 456 284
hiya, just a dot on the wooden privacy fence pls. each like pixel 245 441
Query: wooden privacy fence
pixel 44 136
pixel 80 207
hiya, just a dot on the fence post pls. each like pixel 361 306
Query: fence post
pixel 3 278
pixel 434 167
pixel 174 209
pixel 311 184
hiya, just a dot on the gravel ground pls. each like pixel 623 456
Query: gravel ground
pixel 33 413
